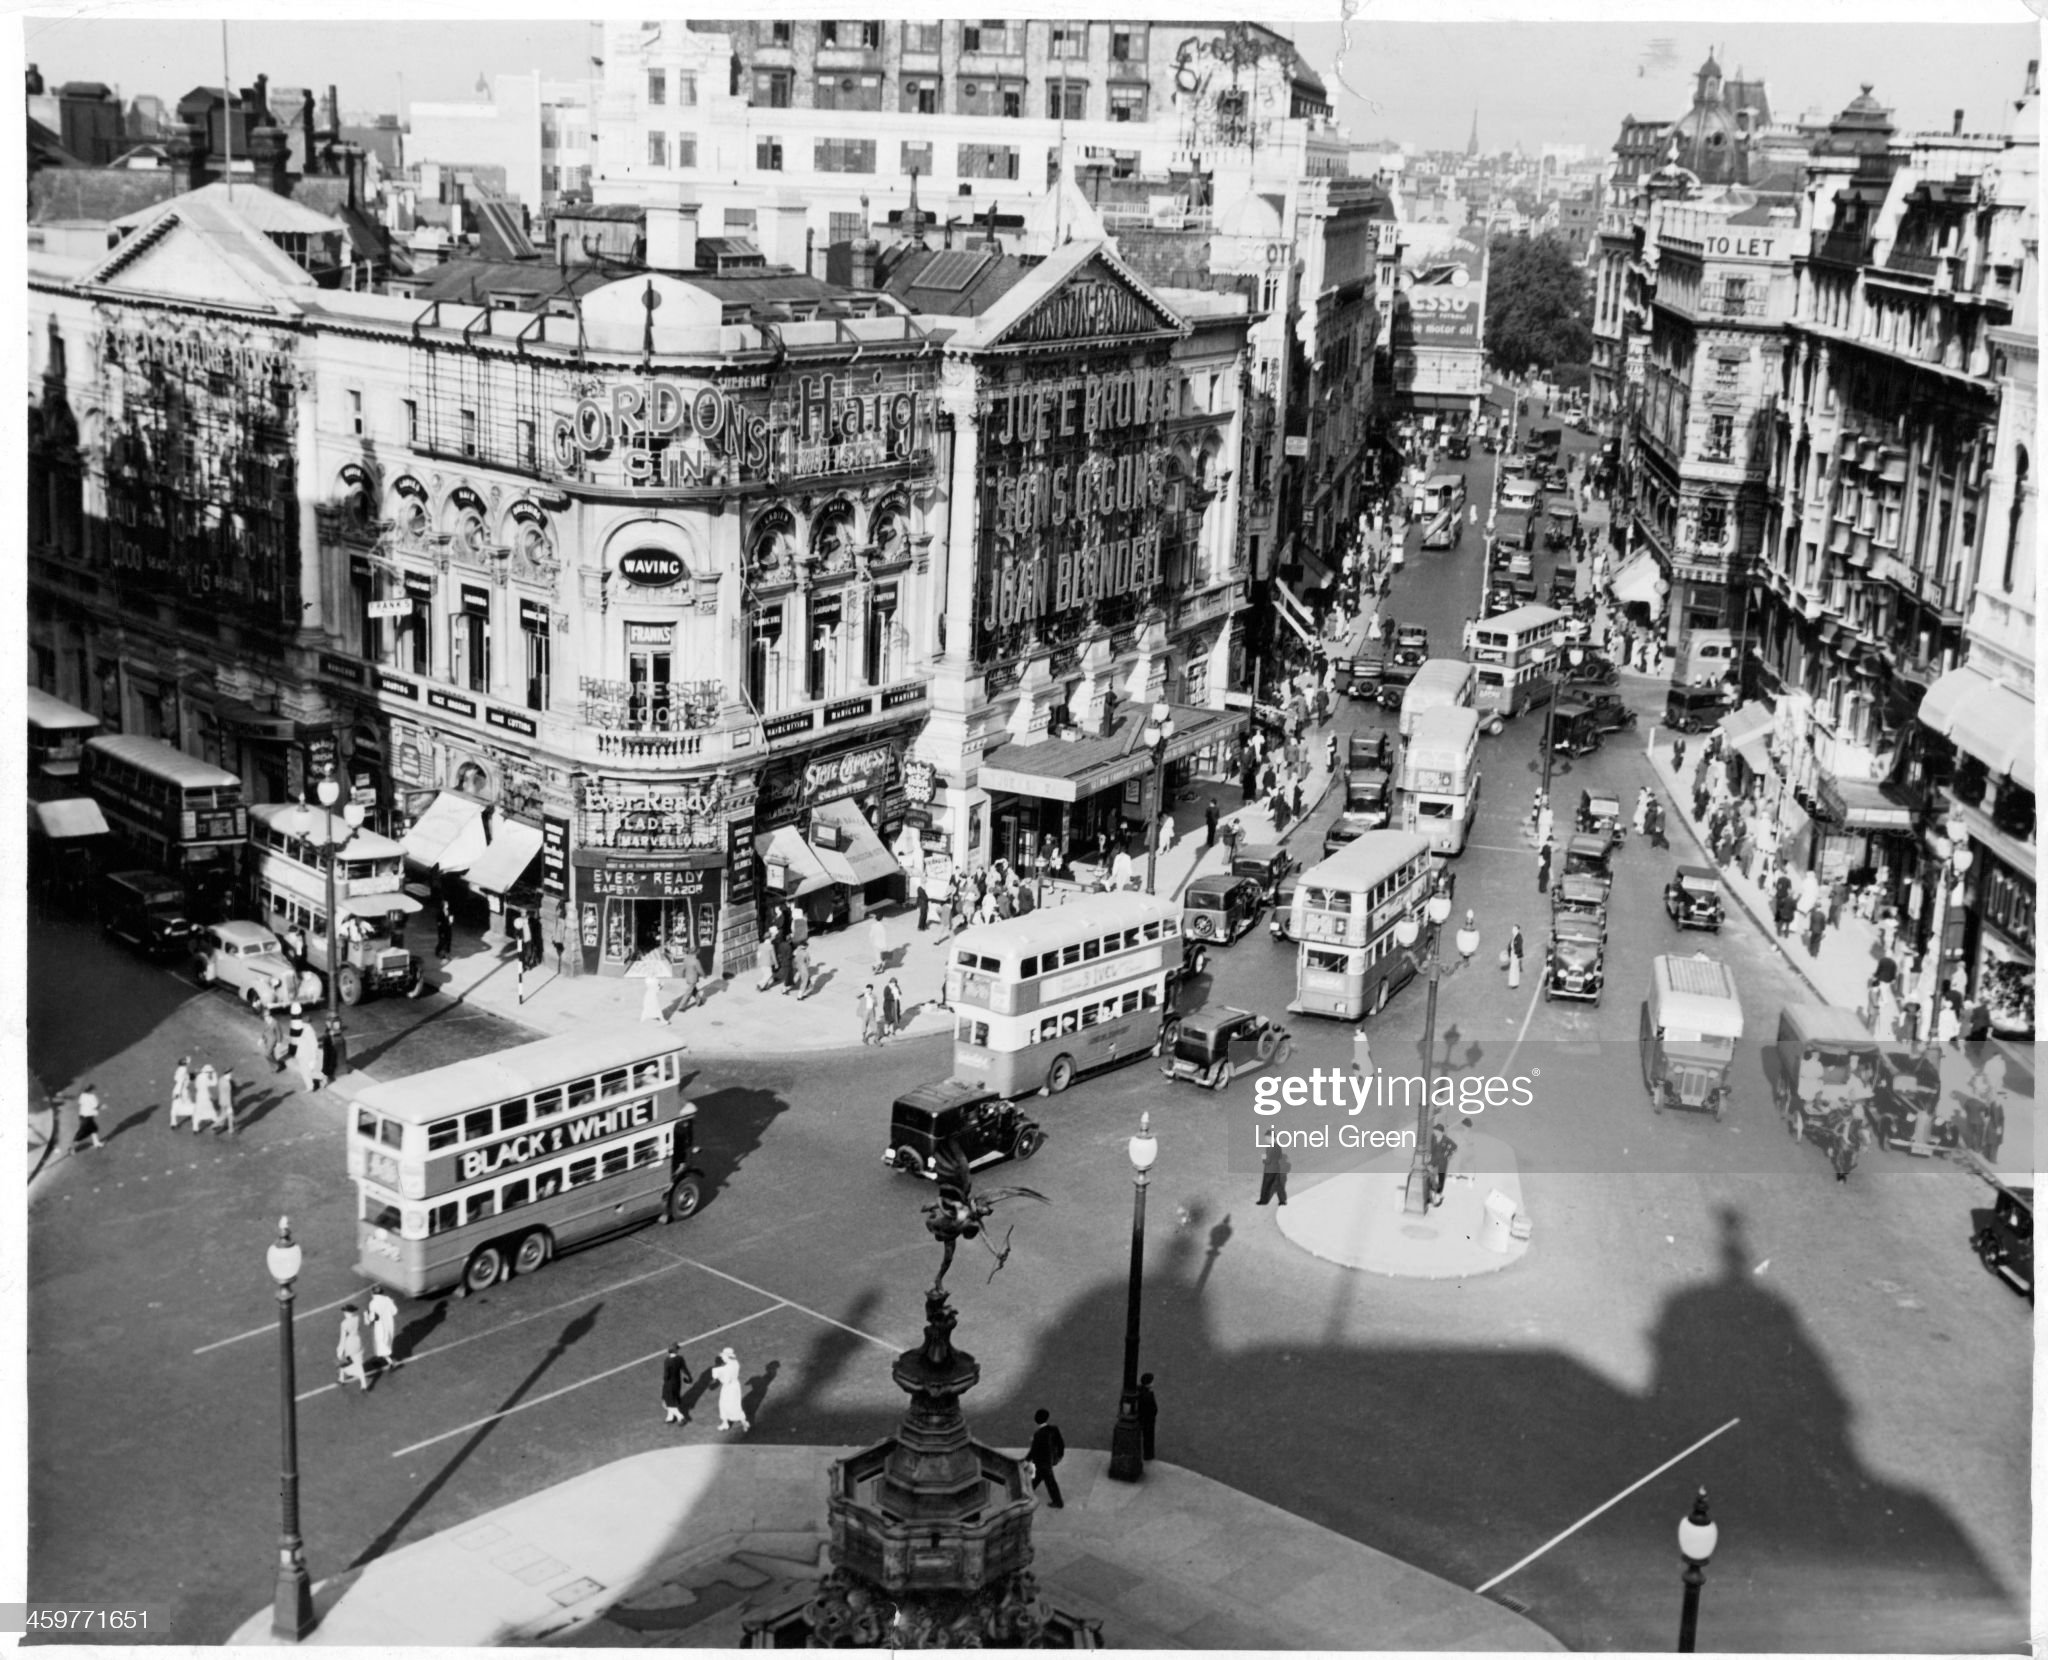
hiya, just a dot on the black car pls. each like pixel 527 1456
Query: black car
pixel 1265 864
pixel 1694 708
pixel 1574 731
pixel 1590 670
pixel 1369 751
pixel 1459 448
pixel 146 911
pixel 1608 712
pixel 1692 898
pixel 1575 964
pixel 973 1117
pixel 1215 1045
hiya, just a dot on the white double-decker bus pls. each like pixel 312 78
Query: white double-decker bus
pixel 1041 999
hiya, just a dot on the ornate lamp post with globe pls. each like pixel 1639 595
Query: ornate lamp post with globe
pixel 1127 1439
pixel 1697 1536
pixel 1158 733
pixel 291 1615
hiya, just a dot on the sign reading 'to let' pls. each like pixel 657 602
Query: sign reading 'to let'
pixel 652 567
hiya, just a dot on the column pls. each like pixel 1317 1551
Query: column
pixel 312 622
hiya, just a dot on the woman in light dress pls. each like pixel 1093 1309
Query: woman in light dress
pixel 732 1411
pixel 204 1117
pixel 181 1092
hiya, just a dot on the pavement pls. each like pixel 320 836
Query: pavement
pixel 1361 1220
pixel 681 1547
pixel 733 1018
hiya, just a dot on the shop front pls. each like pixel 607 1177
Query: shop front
pixel 2002 954
pixel 823 824
pixel 648 872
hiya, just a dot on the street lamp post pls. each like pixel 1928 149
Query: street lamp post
pixel 1406 932
pixel 291 1614
pixel 1158 730
pixel 352 816
pixel 1697 1536
pixel 1127 1439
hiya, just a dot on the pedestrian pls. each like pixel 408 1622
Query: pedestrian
pixel 1148 1417
pixel 1546 824
pixel 1273 1181
pixel 348 1348
pixel 1883 979
pixel 267 1039
pixel 181 1092
pixel 731 1409
pixel 1783 907
pixel 1642 812
pixel 380 1323
pixel 797 923
pixel 675 1372
pixel 691 973
pixel 203 1085
pixel 1278 808
pixel 785 961
pixel 655 985
pixel 1543 856
pixel 892 1007
pixel 333 1050
pixel 224 1102
pixel 1441 1149
pixel 1294 796
pixel 1948 1019
pixel 1514 955
pixel 1816 926
pixel 1047 1448
pixel 1212 818
pixel 878 943
pixel 312 1074
pixel 1655 818
pixel 88 1119
pixel 444 932
pixel 924 903
pixel 764 962
pixel 1166 832
pixel 870 1015
pixel 1233 837
pixel 1361 1054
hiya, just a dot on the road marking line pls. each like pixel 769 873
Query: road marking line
pixel 571 1388
pixel 762 1291
pixel 270 1330
pixel 1534 995
pixel 1609 1505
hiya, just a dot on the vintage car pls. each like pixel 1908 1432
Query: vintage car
pixel 1280 919
pixel 1220 908
pixel 1694 708
pixel 1368 805
pixel 1367 670
pixel 1213 1046
pixel 1563 526
pixel 1575 965
pixel 1588 855
pixel 148 911
pixel 1580 896
pixel 1691 1027
pixel 1500 599
pixel 1402 662
pixel 1600 815
pixel 1564 589
pixel 2004 1240
pixel 979 1123
pixel 1826 1059
pixel 1366 750
pixel 1692 898
pixel 1522 586
pixel 1590 670
pixel 1265 864
pixel 247 959
pixel 1574 730
pixel 1412 637
pixel 1458 448
pixel 1610 714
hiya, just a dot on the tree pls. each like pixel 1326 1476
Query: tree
pixel 1539 312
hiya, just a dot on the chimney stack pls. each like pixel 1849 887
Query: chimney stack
pixel 863 250
pixel 671 238
pixel 182 147
pixel 1958 127
pixel 270 155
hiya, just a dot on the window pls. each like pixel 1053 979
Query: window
pixel 771 86
pixel 529 446
pixel 1720 437
pixel 469 432
pixel 1066 100
pixel 1734 296
pixel 986 161
pixel 882 666
pixel 412 421
pixel 858 36
pixel 1127 42
pixel 740 221
pixel 779 34
pixel 657 149
pixel 1127 103
pixel 920 37
pixel 992 97
pixel 686 150
pixel 768 155
pixel 844 155
pixel 845 227
pixel 538 662
pixel 917 158
pixel 1070 40
pixel 650 677
pixel 848 92
pixel 920 95
pixel 686 90
pixel 823 665
pixel 991 34
pixel 764 662
pixel 657 86
pixel 469 635
pixel 355 412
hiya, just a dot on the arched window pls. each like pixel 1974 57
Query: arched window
pixel 771 550
pixel 889 530
pixel 832 538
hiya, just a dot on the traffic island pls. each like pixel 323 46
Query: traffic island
pixel 1360 1220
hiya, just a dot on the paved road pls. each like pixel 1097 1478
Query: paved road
pixel 1874 1494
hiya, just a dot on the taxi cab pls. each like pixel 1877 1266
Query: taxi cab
pixel 1590 856
pixel 1213 1046
pixel 1265 864
pixel 1220 908
pixel 1692 898
pixel 1580 896
pixel 1575 965
pixel 984 1126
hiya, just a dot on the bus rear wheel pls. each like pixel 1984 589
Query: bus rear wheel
pixel 350 982
pixel 684 1200
pixel 533 1252
pixel 1060 1075
pixel 485 1269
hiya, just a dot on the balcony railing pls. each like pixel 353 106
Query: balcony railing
pixel 1843 248
pixel 1911 264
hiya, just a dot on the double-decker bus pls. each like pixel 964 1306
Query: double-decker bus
pixel 56 744
pixel 1439 783
pixel 1347 962
pixel 473 1172
pixel 1516 655
pixel 177 814
pixel 1443 507
pixel 289 850
pixel 1041 999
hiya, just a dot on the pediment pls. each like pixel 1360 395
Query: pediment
pixel 1082 295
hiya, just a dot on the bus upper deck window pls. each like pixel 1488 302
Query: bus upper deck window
pixel 546 1102
pixel 1069 955
pixel 613 1083
pixel 1027 968
pixel 366 1123
pixel 443 1132
pixel 1090 950
pixel 511 1114
pixel 1130 938
pixel 391 1133
pixel 646 1074
pixel 477 1125
pixel 581 1093
pixel 1151 930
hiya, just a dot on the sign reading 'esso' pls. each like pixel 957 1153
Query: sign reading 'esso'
pixel 1441 302
pixel 652 567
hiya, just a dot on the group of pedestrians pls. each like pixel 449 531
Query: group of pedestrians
pixel 676 1377
pixel 881 1014
pixel 205 1099
pixel 364 1348
pixel 294 1042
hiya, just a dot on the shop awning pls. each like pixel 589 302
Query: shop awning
pixel 1990 721
pixel 449 835
pixel 1857 804
pixel 252 722
pixel 378 904
pixel 63 820
pixel 1063 771
pixel 861 858
pixel 498 868
pixel 1636 582
pixel 786 847
pixel 1746 730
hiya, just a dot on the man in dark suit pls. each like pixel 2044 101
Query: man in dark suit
pixel 1048 1447
pixel 1273 1183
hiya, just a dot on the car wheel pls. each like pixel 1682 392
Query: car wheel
pixel 1059 1077
pixel 533 1252
pixel 1495 727
pixel 1027 1143
pixel 1283 1051
pixel 906 1161
pixel 485 1269
pixel 251 996
pixel 1224 1072
pixel 351 984
pixel 685 1198
pixel 1201 926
